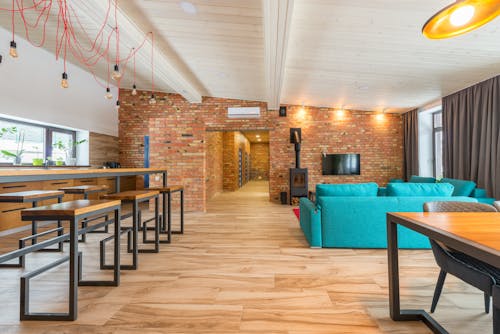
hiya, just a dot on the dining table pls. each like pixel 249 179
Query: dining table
pixel 476 234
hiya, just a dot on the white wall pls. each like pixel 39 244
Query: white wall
pixel 30 88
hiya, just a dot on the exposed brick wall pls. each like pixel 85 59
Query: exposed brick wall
pixel 102 148
pixel 214 163
pixel 259 166
pixel 377 137
pixel 178 135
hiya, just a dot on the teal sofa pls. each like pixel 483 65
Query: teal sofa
pixel 461 187
pixel 353 221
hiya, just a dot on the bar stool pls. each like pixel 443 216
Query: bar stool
pixel 86 190
pixel 33 197
pixel 166 193
pixel 135 197
pixel 73 212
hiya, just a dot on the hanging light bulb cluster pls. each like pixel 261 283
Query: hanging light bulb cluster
pixel 67 41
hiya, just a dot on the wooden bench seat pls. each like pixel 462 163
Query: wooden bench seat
pixel 30 196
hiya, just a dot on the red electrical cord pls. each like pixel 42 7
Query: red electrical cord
pixel 84 49
pixel 152 62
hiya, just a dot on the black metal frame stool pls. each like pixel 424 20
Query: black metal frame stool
pixel 136 197
pixel 87 190
pixel 166 226
pixel 33 197
pixel 74 212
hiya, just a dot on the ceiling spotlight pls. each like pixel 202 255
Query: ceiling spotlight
pixel 188 7
pixel 460 18
pixel 134 90
pixel 117 104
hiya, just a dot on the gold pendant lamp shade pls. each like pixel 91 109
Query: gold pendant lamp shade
pixel 461 17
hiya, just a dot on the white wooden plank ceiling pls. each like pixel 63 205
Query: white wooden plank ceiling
pixel 359 54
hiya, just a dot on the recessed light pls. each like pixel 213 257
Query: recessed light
pixel 188 7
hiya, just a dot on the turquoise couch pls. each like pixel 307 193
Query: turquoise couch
pixel 360 221
pixel 461 187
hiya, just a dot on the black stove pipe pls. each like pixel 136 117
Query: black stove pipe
pixel 297 155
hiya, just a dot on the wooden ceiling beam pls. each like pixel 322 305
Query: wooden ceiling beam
pixel 277 18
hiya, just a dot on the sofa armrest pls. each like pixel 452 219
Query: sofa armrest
pixel 310 222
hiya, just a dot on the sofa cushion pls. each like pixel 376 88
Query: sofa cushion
pixel 422 179
pixel 347 189
pixel 462 187
pixel 419 189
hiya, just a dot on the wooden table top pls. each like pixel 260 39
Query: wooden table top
pixel 480 230
pixel 24 174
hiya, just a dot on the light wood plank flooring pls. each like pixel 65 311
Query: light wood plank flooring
pixel 243 267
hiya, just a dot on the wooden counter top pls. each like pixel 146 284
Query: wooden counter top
pixel 36 174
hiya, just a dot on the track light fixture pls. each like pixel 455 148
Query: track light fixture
pixel 117 104
pixel 460 18
pixel 134 90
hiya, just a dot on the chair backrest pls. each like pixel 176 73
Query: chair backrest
pixel 458 207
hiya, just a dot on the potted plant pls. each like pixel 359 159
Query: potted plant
pixel 37 161
pixel 68 149
pixel 18 153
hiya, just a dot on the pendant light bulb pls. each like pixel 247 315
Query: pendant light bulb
pixel 13 49
pixel 64 81
pixel 108 94
pixel 134 90
pixel 152 100
pixel 462 15
pixel 117 75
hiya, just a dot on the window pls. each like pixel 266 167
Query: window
pixel 437 135
pixel 21 142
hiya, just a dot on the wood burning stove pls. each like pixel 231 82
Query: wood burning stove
pixel 298 176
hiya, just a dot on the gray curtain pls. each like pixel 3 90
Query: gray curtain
pixel 410 144
pixel 471 135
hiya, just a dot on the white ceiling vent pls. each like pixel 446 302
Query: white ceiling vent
pixel 244 112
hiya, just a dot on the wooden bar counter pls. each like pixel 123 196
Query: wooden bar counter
pixel 25 179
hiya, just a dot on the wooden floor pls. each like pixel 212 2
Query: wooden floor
pixel 243 267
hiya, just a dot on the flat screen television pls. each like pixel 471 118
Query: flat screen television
pixel 341 164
